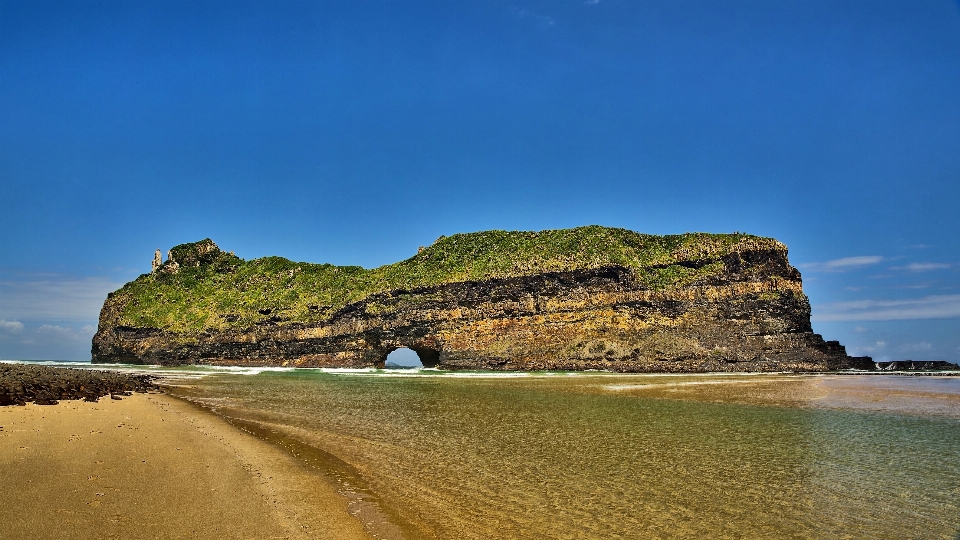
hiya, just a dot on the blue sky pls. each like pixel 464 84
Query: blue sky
pixel 354 132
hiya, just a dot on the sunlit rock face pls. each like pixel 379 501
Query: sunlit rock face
pixel 576 299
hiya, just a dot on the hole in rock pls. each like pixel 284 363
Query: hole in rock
pixel 413 357
pixel 403 357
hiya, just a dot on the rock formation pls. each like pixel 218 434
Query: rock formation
pixel 157 261
pixel 917 365
pixel 46 385
pixel 575 299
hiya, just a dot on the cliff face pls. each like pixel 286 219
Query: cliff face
pixel 588 298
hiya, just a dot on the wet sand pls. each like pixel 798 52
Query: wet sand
pixel 151 466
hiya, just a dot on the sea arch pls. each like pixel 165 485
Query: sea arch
pixel 429 357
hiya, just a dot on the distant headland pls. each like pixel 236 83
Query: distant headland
pixel 589 298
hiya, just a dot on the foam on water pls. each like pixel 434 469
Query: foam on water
pixel 643 386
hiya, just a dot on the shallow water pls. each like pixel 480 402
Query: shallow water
pixel 619 456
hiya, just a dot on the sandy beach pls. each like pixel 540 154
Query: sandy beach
pixel 151 466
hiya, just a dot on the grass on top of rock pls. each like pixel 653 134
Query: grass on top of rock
pixel 209 289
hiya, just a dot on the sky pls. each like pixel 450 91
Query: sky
pixel 354 132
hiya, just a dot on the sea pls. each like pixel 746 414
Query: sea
pixel 421 453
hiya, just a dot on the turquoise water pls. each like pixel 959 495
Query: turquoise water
pixel 619 456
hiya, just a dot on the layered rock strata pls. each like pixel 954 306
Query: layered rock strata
pixel 736 309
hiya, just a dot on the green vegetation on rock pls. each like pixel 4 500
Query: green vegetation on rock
pixel 204 288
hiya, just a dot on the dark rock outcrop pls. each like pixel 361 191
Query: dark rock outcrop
pixel 748 313
pixel 45 385
pixel 916 365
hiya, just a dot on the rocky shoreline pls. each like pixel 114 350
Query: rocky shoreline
pixel 46 385
pixel 916 365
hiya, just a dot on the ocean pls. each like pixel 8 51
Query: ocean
pixel 429 454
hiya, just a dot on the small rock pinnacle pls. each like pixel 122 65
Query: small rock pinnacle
pixel 156 260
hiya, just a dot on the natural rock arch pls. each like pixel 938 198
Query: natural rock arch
pixel 429 357
pixel 495 300
pixel 403 357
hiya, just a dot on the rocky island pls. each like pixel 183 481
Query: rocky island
pixel 574 299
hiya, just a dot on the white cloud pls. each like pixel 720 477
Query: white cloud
pixel 914 286
pixel 916 347
pixel 945 306
pixel 11 326
pixel 47 341
pixel 924 267
pixel 844 264
pixel 60 333
pixel 872 350
pixel 543 20
pixel 55 335
pixel 56 298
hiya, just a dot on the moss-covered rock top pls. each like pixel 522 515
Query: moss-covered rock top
pixel 204 288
